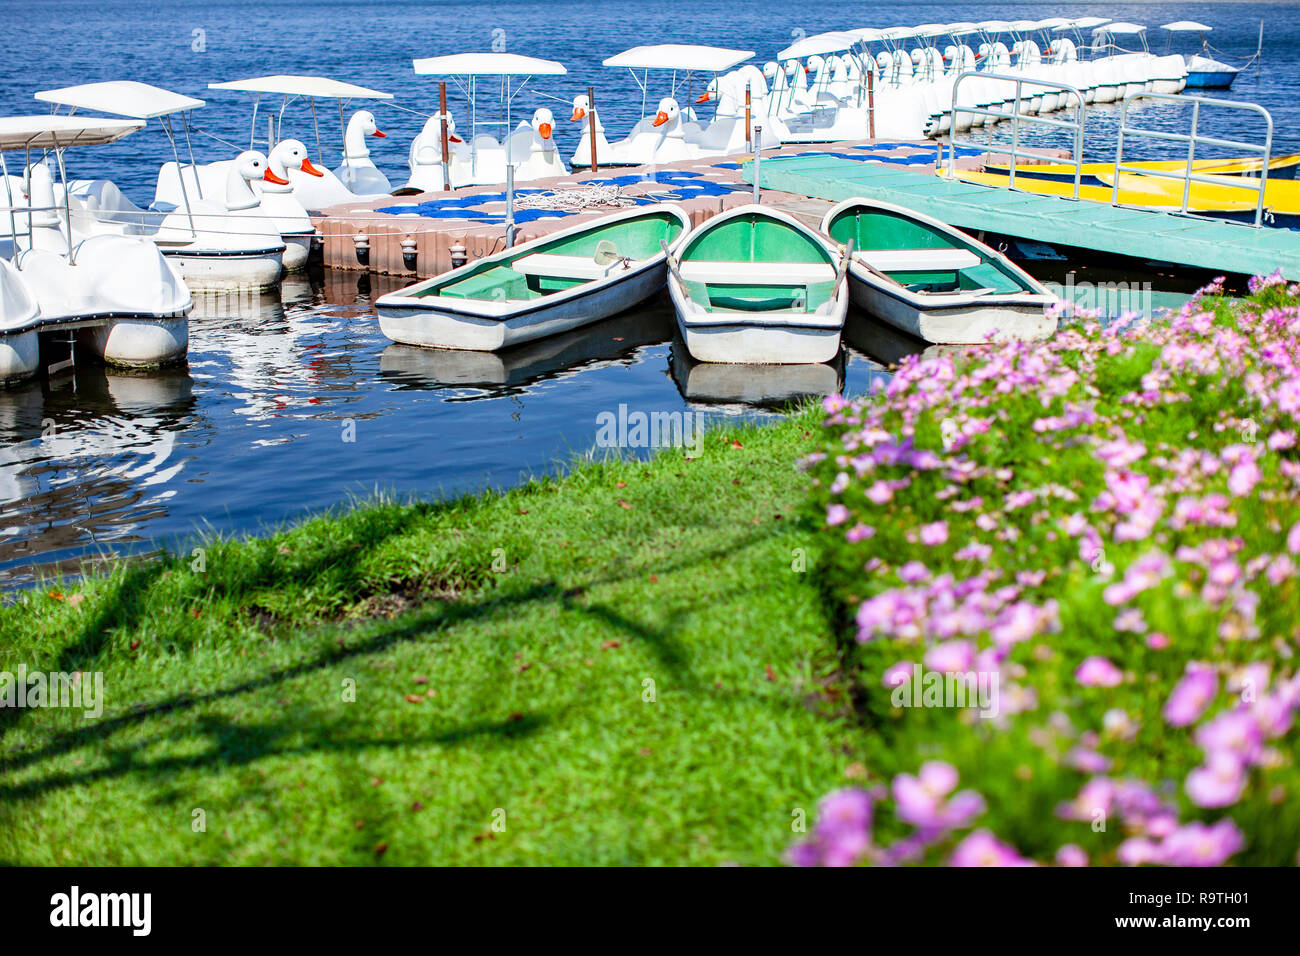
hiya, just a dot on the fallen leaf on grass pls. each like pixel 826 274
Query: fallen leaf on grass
pixel 421 679
pixel 381 849
pixel 624 504
pixel 415 698
pixel 654 579
pixel 135 644
pixel 736 444
pixel 771 674
pixel 610 644
pixel 620 484
pixel 417 806
pixel 57 595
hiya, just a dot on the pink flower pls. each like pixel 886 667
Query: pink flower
pixel 836 514
pixel 859 532
pixel 935 533
pixel 1191 695
pixel 982 848
pixel 950 657
pixel 880 493
pixel 1217 784
pixel 1098 672
pixel 1071 855
pixel 1293 539
pixel 1196 844
pixel 899 673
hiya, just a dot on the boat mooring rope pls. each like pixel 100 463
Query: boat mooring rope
pixel 575 200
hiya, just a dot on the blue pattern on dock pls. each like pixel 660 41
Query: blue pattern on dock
pixel 681 185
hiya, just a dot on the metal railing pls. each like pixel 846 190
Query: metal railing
pixel 1187 176
pixel 1016 117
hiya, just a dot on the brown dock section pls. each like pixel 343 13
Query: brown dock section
pixel 435 236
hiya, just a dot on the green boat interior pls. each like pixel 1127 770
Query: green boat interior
pixel 564 263
pixel 920 257
pixel 757 263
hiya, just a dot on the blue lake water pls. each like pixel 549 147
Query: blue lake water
pixel 252 431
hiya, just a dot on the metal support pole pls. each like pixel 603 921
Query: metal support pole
pixel 591 124
pixel 510 206
pixel 758 160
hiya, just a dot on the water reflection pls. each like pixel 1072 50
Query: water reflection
pixel 87 460
pixel 768 386
pixel 499 373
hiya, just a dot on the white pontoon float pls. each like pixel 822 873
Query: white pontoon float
pixel 123 299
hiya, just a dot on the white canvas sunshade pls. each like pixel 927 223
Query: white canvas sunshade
pixel 680 56
pixel 487 64
pixel 55 132
pixel 1087 23
pixel 1186 26
pixel 293 85
pixel 121 97
pixel 832 42
pixel 1121 28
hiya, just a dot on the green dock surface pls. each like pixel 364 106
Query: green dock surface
pixel 1219 246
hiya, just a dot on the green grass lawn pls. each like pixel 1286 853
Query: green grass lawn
pixel 621 665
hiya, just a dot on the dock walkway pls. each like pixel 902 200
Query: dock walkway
pixel 1218 246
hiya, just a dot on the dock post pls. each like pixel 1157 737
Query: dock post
pixel 871 103
pixel 758 159
pixel 749 129
pixel 446 138
pixel 591 124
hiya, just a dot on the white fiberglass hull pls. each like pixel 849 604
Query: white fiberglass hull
pixel 953 318
pixel 255 270
pixel 484 326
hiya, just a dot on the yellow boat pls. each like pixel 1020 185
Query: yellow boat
pixel 1224 198
pixel 1279 167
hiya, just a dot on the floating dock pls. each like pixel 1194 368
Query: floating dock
pixel 1193 241
pixel 471 220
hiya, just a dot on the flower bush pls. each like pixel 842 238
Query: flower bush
pixel 1104 529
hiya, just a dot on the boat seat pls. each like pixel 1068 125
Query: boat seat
pixel 918 260
pixel 564 267
pixel 756 273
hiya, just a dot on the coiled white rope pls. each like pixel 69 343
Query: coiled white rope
pixel 575 200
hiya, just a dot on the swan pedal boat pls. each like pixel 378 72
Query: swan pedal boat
pixel 545 287
pixel 935 282
pixel 754 286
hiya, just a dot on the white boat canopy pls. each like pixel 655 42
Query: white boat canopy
pixel 961 29
pixel 1084 23
pixel 820 43
pixel 1121 29
pixel 293 86
pixel 680 56
pixel 1186 26
pixel 47 131
pixel 315 87
pixel 122 98
pixel 487 64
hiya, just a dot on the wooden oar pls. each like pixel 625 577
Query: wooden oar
pixel 672 264
pixel 843 270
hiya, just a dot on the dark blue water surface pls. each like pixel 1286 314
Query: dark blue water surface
pixel 252 431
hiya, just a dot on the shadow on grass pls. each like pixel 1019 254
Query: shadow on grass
pixel 235 744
